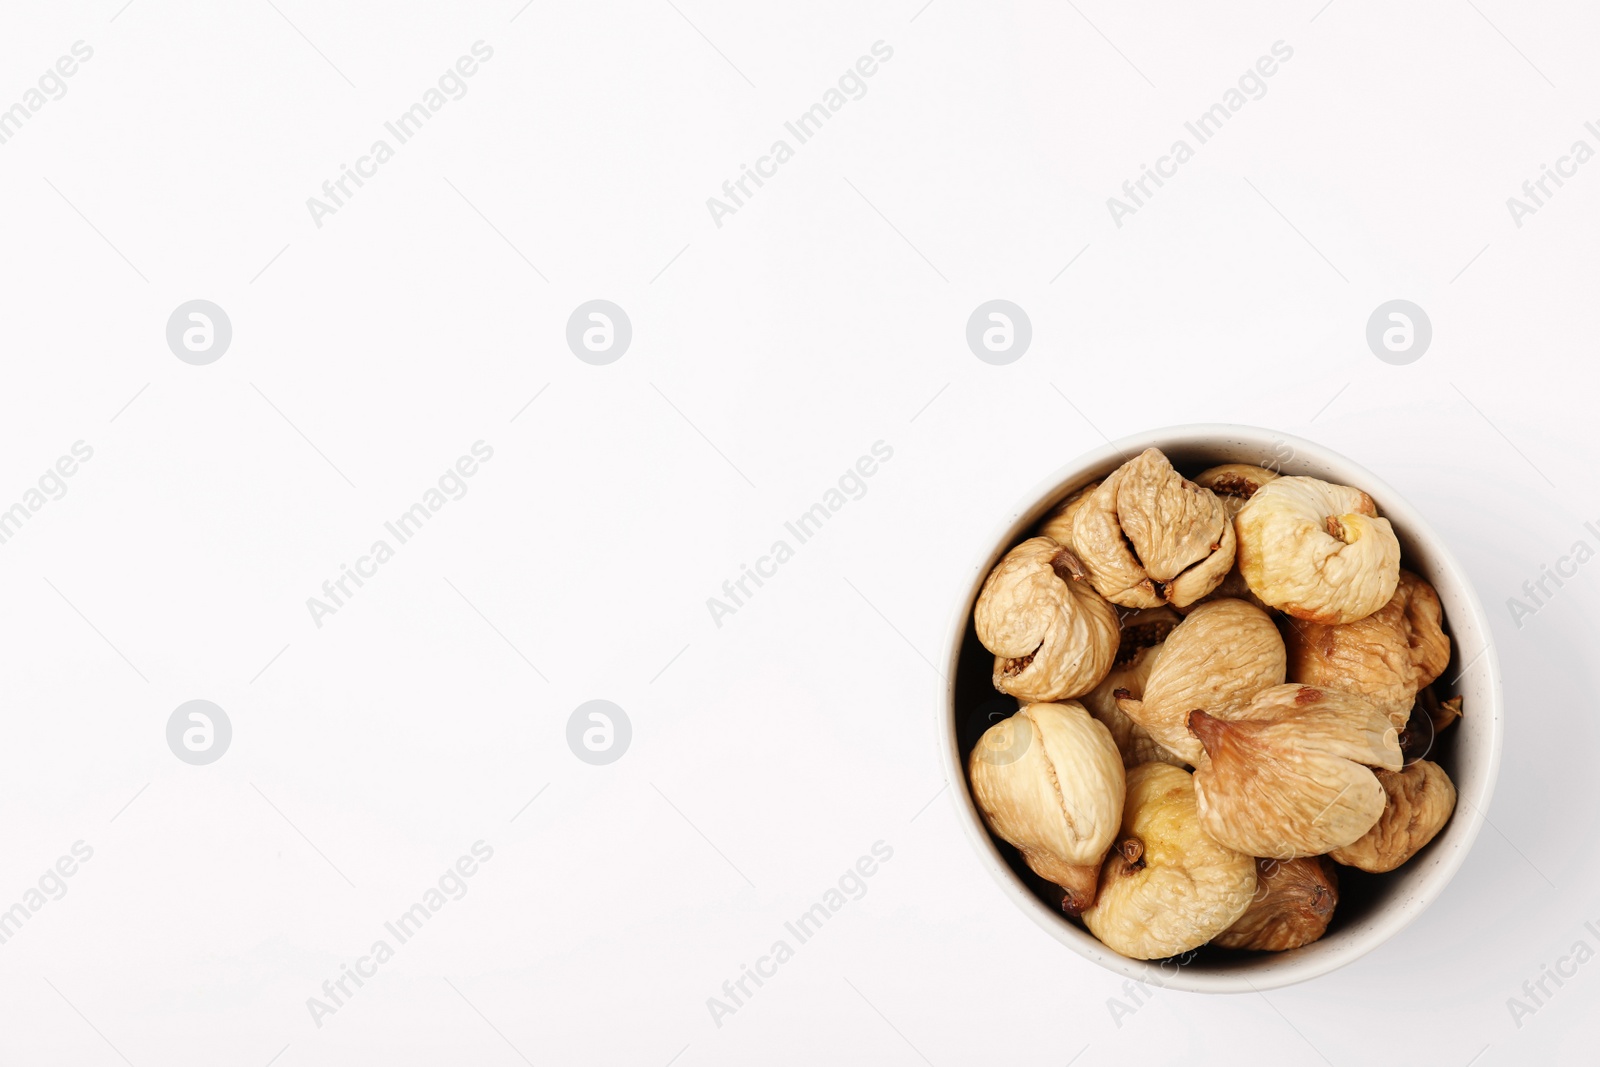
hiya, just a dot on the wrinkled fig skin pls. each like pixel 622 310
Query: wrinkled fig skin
pixel 1420 800
pixel 1234 483
pixel 1058 524
pixel 1317 551
pixel 1142 634
pixel 1052 637
pixel 1386 657
pixel 1049 780
pixel 1221 655
pixel 1292 907
pixel 1289 775
pixel 1166 887
pixel 1172 523
pixel 1149 536
pixel 1232 587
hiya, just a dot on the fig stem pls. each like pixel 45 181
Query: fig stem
pixel 1131 849
pixel 1068 567
pixel 1208 729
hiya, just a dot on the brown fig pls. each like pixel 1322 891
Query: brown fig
pixel 1420 799
pixel 1292 907
pixel 1387 657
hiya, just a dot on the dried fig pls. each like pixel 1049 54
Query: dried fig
pixel 1317 550
pixel 1221 655
pixel 1050 781
pixel 1232 587
pixel 1142 635
pixel 1052 637
pixel 1386 657
pixel 1234 483
pixel 1440 713
pixel 1149 536
pixel 1166 887
pixel 1288 775
pixel 1429 718
pixel 1293 904
pixel 1420 800
pixel 1058 524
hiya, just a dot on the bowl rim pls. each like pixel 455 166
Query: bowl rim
pixel 1275 971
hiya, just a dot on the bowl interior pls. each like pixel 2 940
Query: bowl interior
pixel 1371 908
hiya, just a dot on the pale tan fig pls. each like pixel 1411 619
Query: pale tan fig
pixel 1049 781
pixel 1387 657
pixel 1234 483
pixel 1166 887
pixel 1420 800
pixel 1052 637
pixel 1058 524
pixel 1317 550
pixel 1149 536
pixel 1293 905
pixel 1232 587
pixel 1221 655
pixel 1142 635
pixel 1290 773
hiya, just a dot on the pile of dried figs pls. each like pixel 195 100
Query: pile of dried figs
pixel 1224 690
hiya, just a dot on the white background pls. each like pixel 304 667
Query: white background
pixel 827 314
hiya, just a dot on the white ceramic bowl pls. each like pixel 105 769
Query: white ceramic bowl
pixel 1372 908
